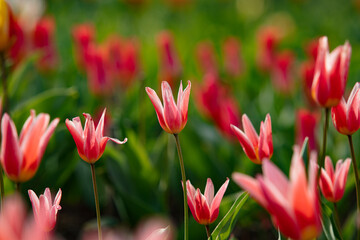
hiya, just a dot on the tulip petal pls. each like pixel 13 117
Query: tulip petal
pixel 214 207
pixel 158 107
pixel 171 114
pixel 250 131
pixel 340 179
pixel 191 199
pixel 184 104
pixel 250 185
pixel 91 143
pixel 209 191
pixel 245 144
pixel 272 174
pixel 100 126
pixel 78 137
pixel 11 156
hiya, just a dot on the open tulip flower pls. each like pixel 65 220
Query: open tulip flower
pixel 172 116
pixel 330 76
pixel 20 157
pixel 345 115
pixel 205 208
pixel 255 147
pixel 91 142
pixel 294 203
pixel 332 181
pixel 45 210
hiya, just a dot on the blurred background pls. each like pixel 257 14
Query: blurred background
pixel 254 57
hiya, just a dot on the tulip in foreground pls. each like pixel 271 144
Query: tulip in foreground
pixel 20 157
pixel 255 147
pixel 172 116
pixel 90 142
pixel 45 210
pixel 205 208
pixel 332 181
pixel 294 203
pixel 346 115
pixel 330 76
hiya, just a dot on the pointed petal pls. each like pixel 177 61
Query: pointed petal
pixel 250 131
pixel 100 126
pixel 191 198
pixel 245 144
pixel 76 134
pixel 11 156
pixel 273 174
pixel 184 105
pixel 250 185
pixel 340 179
pixel 91 144
pixel 171 114
pixel 214 207
pixel 158 107
pixel 209 191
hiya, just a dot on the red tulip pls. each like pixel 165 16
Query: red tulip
pixel 206 58
pixel 281 76
pixel 21 158
pixel 170 67
pixel 332 182
pixel 130 61
pixel 346 115
pixel 113 50
pixel 83 36
pixel 205 208
pixel 233 63
pixel 45 210
pixel 306 122
pixel 268 38
pixel 43 40
pixel 91 142
pixel 217 103
pixel 330 76
pixel 17 49
pixel 172 116
pixel 98 71
pixel 294 203
pixel 255 147
pixel 307 73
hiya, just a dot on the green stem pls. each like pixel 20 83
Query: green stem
pixel 184 185
pixel 96 201
pixel 337 220
pixel 357 186
pixel 207 231
pixel 323 152
pixel 17 187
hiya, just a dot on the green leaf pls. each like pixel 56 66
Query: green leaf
pixel 328 224
pixel 226 225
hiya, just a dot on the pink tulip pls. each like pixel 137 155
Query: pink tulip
pixel 330 76
pixel 45 210
pixel 294 203
pixel 346 115
pixel 91 142
pixel 233 63
pixel 205 208
pixel 13 223
pixel 21 158
pixel 332 182
pixel 306 123
pixel 172 116
pixel 255 147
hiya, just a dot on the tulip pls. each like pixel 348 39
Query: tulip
pixel 17 49
pixel 346 115
pixel 293 204
pixel 43 40
pixel 306 123
pixel 268 38
pixel 205 208
pixel 83 36
pixel 113 50
pixel 330 76
pixel 217 103
pixel 4 25
pixel 90 143
pixel 14 224
pixel 233 63
pixel 21 158
pixel 332 182
pixel 206 58
pixel 255 147
pixel 45 210
pixel 307 73
pixel 170 67
pixel 130 61
pixel 172 116
pixel 281 72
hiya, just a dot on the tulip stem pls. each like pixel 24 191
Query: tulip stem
pixel 337 220
pixel 184 185
pixel 207 231
pixel 96 201
pixel 17 187
pixel 323 153
pixel 357 187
